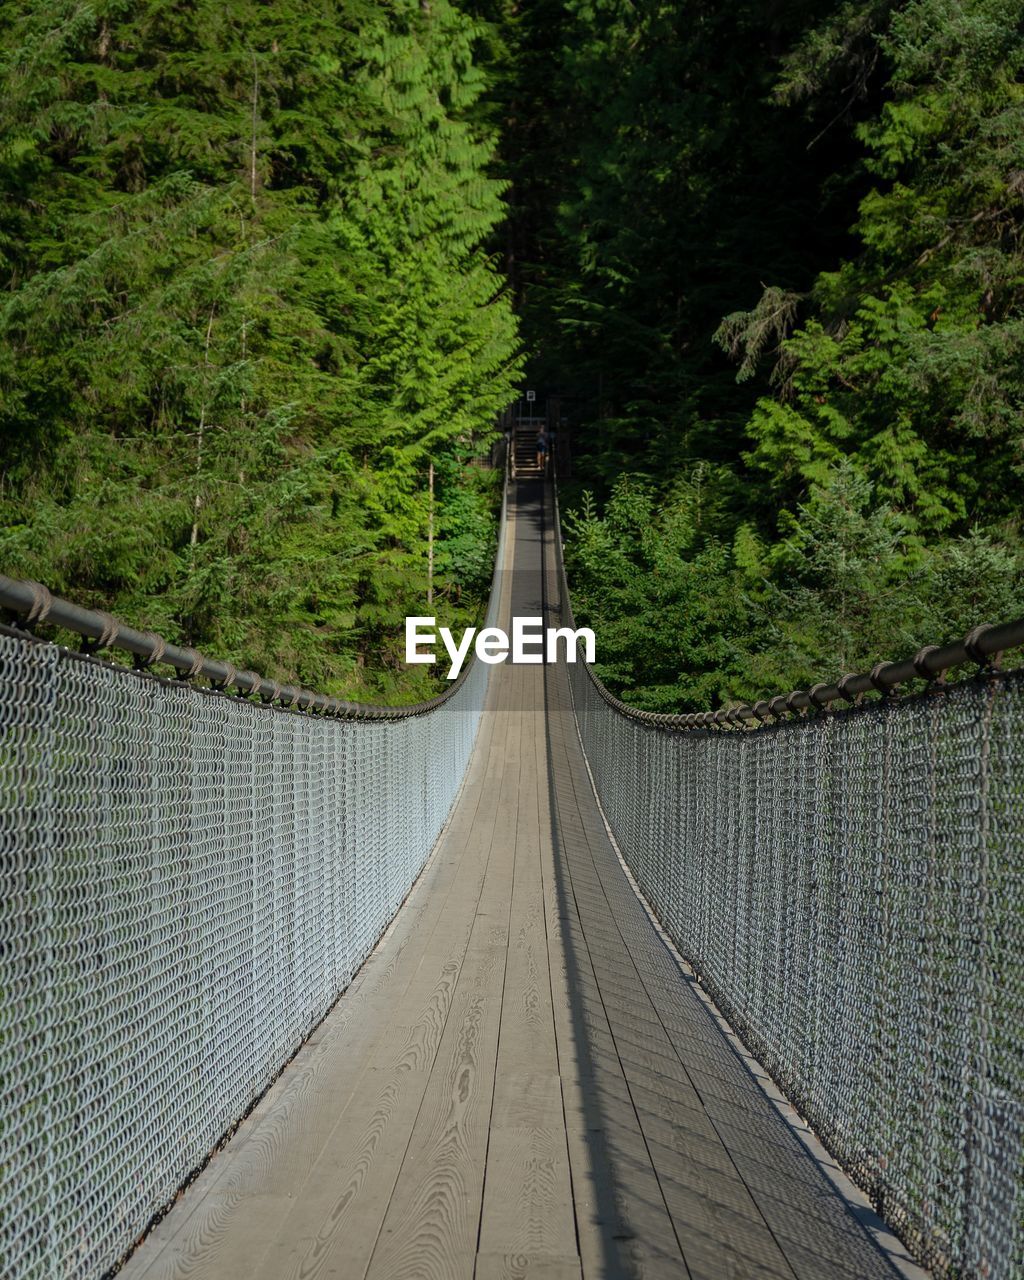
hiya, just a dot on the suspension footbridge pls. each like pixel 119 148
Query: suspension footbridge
pixel 539 1063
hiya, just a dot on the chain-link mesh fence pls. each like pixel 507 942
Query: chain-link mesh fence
pixel 850 888
pixel 187 881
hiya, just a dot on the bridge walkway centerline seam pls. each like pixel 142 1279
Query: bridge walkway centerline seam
pixel 518 1083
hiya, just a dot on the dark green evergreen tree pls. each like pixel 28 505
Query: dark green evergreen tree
pixel 247 302
pixel 827 195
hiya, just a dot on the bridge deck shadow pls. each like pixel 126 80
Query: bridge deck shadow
pixel 520 1082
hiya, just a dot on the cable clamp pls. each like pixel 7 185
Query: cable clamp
pixel 142 661
pixel 196 664
pixel 920 663
pixel 222 685
pixel 970 643
pixel 109 630
pixel 843 685
pixel 39 609
pixel 254 682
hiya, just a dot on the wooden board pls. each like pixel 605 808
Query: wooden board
pixel 519 1084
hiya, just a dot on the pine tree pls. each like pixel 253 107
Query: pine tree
pixel 246 303
pixel 829 192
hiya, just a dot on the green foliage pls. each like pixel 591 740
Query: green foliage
pixel 769 255
pixel 686 620
pixel 658 595
pixel 651 186
pixel 826 196
pixel 247 301
pixel 911 364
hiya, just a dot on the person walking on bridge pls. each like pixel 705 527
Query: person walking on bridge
pixel 542 449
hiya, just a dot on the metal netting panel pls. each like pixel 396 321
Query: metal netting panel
pixel 187 881
pixel 850 888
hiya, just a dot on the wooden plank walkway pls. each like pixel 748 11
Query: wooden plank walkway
pixel 519 1082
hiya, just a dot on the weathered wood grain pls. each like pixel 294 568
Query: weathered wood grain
pixel 520 1084
pixel 528 1209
